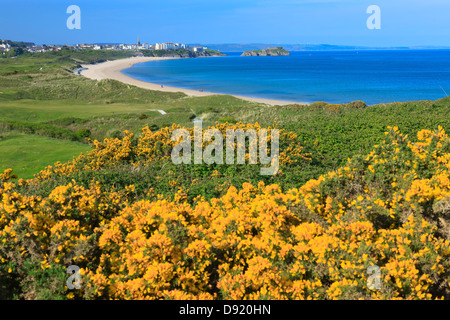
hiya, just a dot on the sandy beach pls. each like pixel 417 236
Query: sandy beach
pixel 112 70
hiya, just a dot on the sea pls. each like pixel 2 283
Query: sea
pixel 373 76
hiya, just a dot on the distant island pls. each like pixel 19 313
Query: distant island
pixel 276 51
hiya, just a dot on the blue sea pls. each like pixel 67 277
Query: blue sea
pixel 331 76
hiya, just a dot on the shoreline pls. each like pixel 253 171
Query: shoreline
pixel 112 69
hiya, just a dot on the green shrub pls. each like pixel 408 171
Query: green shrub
pixel 84 133
pixel 227 119
pixel 318 104
pixel 116 134
pixel 356 105
pixel 41 129
pixel 153 127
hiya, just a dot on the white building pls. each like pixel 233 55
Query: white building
pixel 170 46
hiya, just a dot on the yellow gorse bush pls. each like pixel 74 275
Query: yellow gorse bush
pixel 151 145
pixel 7 175
pixel 388 209
pixel 250 245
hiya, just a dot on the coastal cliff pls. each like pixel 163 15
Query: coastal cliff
pixel 278 51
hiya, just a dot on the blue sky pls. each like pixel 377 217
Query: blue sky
pixel 403 23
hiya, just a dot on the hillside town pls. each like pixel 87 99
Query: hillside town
pixel 8 45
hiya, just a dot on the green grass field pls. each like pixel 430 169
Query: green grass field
pixel 28 154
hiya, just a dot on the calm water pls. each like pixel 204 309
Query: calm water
pixel 331 76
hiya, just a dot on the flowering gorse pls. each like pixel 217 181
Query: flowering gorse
pixel 388 209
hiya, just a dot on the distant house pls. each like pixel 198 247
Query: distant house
pixel 198 49
pixel 5 46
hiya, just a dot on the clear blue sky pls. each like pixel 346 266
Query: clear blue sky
pixel 342 22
